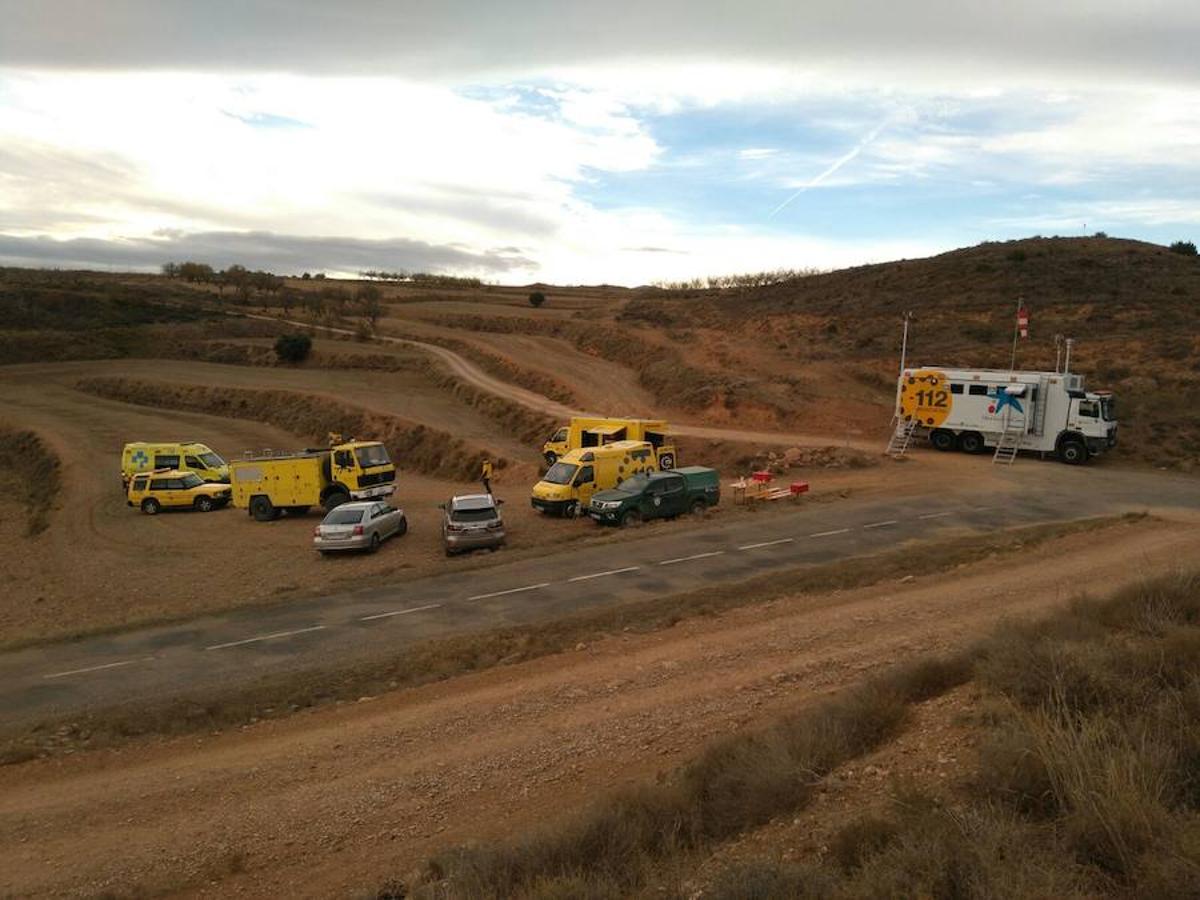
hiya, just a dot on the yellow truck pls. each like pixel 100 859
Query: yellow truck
pixel 271 483
pixel 181 456
pixel 568 487
pixel 582 432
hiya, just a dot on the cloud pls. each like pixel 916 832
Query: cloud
pixel 454 39
pixel 281 253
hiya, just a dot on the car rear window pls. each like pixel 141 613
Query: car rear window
pixel 472 515
pixel 344 517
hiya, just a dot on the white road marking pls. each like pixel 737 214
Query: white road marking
pixel 766 544
pixel 828 533
pixel 112 665
pixel 602 574
pixel 679 559
pixel 528 587
pixel 982 508
pixel 881 524
pixel 935 515
pixel 265 637
pixel 400 612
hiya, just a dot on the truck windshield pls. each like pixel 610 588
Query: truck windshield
pixel 1108 408
pixel 211 460
pixel 561 473
pixel 372 455
pixel 634 485
pixel 191 480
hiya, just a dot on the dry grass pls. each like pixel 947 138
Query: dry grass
pixel 30 472
pixel 1088 781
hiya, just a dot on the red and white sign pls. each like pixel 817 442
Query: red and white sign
pixel 1023 321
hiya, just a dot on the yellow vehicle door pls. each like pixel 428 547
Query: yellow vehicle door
pixel 585 485
pixel 160 490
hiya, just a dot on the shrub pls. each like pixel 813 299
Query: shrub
pixel 1184 248
pixel 536 299
pixel 293 348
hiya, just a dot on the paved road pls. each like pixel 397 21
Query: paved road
pixel 226 651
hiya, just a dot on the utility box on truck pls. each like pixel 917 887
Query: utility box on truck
pixel 979 409
pixel 583 432
pixel 269 483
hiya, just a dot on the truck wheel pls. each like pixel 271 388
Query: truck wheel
pixel 631 519
pixel 699 507
pixel 666 461
pixel 204 504
pixel 972 442
pixel 943 440
pixel 150 506
pixel 263 510
pixel 376 540
pixel 1073 452
pixel 571 510
pixel 335 499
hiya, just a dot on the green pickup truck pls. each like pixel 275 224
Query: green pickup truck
pixel 656 495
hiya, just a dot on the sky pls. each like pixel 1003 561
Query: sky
pixel 586 143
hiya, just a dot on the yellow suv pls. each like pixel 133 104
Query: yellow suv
pixel 173 489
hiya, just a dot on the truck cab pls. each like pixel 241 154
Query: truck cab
pixel 1093 417
pixel 364 468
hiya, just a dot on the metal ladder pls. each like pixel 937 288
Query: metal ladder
pixel 901 437
pixel 1039 405
pixel 1010 441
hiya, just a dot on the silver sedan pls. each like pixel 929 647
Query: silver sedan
pixel 362 525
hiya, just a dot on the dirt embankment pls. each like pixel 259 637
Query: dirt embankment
pixel 424 449
pixel 30 474
pixel 660 369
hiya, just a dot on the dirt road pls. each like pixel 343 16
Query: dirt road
pixel 473 375
pixel 336 801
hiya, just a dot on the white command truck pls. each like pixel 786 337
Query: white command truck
pixel 979 409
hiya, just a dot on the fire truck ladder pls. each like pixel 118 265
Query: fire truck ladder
pixel 1010 439
pixel 901 437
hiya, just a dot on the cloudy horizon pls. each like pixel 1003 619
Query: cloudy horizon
pixel 538 142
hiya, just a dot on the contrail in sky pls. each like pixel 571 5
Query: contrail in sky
pixel 833 167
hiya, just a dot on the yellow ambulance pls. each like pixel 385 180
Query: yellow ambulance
pixel 180 456
pixel 568 487
pixel 582 432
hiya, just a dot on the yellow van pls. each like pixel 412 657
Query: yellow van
pixel 183 456
pixel 568 487
pixel 582 432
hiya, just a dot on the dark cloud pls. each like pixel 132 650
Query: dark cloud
pixel 462 37
pixel 281 253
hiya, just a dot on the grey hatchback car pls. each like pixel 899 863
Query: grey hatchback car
pixel 472 522
pixel 362 525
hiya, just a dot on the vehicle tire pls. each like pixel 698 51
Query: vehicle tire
pixel 150 506
pixel 376 540
pixel 699 508
pixel 551 459
pixel 666 461
pixel 571 510
pixel 402 528
pixel 205 504
pixel 943 440
pixel 972 442
pixel 334 499
pixel 631 519
pixel 263 510
pixel 1073 452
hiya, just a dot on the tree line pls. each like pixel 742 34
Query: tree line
pixel 241 280
pixel 428 279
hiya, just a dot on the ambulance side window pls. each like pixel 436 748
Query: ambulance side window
pixel 586 475
pixel 956 388
pixel 163 461
pixel 193 463
pixel 978 390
